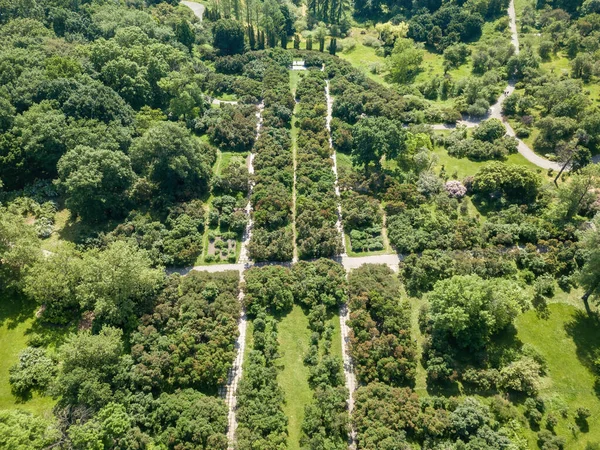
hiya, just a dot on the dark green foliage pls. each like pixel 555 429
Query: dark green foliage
pixel 268 288
pixel 382 416
pixel 189 419
pixel 176 242
pixel 380 341
pixel 231 128
pixel 96 182
pixel 316 203
pixel 322 282
pixel 421 272
pixel 417 229
pixel 272 195
pixel 261 421
pixel 173 162
pixel 228 36
pixel 362 219
pixel 201 310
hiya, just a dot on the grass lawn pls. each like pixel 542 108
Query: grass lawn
pixel 465 167
pixel 364 57
pixel 16 317
pixel 570 341
pixel 294 341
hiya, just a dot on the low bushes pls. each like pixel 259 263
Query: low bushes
pixel 261 420
pixel 316 202
pixel 362 219
pixel 201 310
pixel 272 195
pixel 380 341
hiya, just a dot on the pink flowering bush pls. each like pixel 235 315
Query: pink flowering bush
pixel 455 189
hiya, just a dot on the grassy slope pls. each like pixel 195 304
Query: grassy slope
pixel 16 318
pixel 294 340
pixel 569 340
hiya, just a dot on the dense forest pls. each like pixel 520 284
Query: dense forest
pixel 271 224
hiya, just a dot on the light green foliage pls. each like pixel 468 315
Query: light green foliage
pixel 89 368
pixel 117 283
pixel 590 272
pixel 34 371
pixel 23 431
pixel 405 61
pixel 19 249
pixel 471 310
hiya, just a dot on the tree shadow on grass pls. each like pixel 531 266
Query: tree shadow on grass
pixel 15 309
pixel 584 329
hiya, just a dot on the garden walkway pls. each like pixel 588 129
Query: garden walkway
pixel 496 108
pixel 197 8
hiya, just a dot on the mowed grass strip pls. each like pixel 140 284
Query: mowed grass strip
pixel 294 341
pixel 570 342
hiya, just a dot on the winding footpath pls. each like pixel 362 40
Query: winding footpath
pixel 496 108
pixel 197 8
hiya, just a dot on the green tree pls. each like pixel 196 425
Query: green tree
pixel 177 164
pixel 89 368
pixel 20 430
pixel 470 309
pixel 34 371
pixel 515 183
pixel 228 36
pixel 118 283
pixel 489 130
pixel 269 288
pixel 590 272
pixel 579 193
pixel 38 142
pixel 374 138
pixel 51 284
pixel 19 249
pixel 405 61
pixel 96 182
pixel 185 34
pixel 111 427
pixel 189 419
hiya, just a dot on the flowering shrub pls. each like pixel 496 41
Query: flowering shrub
pixel 455 189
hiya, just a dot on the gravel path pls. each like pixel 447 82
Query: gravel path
pixel 338 224
pixel 344 312
pixel 197 8
pixel 235 373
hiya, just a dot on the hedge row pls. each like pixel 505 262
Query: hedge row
pixel 272 196
pixel 380 341
pixel 261 420
pixel 316 202
pixel 320 287
pixel 189 338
